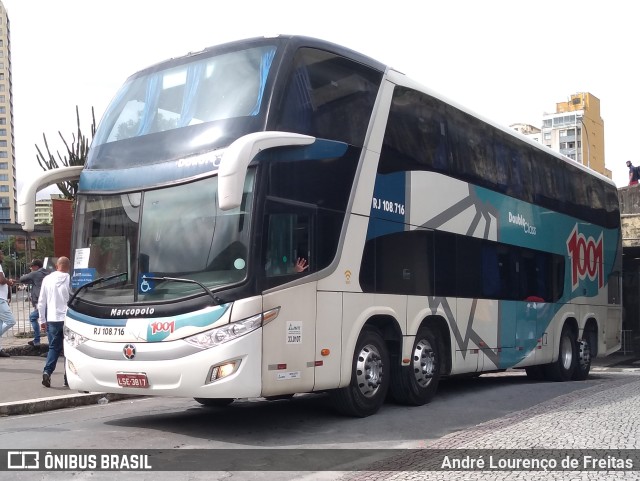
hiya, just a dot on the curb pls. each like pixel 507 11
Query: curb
pixel 33 406
pixel 27 350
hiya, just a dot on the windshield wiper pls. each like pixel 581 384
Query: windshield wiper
pixel 216 299
pixel 93 283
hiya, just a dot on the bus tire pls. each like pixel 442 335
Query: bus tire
pixel 583 361
pixel 369 384
pixel 416 384
pixel 214 402
pixel 563 368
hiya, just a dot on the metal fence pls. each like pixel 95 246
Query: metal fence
pixel 626 343
pixel 21 306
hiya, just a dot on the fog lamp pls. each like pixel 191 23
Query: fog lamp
pixel 220 371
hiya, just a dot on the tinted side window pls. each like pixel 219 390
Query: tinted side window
pixel 471 148
pixel 444 264
pixel 424 133
pixel 329 96
pixel 325 183
pixel 399 263
pixel 288 239
pixel 416 134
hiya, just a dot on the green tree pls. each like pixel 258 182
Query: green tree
pixel 13 260
pixel 44 248
pixel 76 155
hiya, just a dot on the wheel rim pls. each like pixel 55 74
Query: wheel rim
pixel 424 362
pixel 369 370
pixel 566 352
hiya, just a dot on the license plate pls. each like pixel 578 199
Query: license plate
pixel 130 379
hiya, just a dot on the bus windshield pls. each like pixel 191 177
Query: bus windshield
pixel 175 232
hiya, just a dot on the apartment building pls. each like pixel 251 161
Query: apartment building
pixel 575 129
pixel 8 194
pixel 43 213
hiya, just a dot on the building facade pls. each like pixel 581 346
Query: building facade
pixel 576 130
pixel 44 212
pixel 44 209
pixel 8 193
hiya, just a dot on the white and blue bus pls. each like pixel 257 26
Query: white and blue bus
pixel 283 215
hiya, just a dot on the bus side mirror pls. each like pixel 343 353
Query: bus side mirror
pixel 238 156
pixel 27 202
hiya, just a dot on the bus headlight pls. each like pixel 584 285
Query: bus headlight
pixel 73 337
pixel 229 332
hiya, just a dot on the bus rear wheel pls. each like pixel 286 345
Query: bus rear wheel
pixel 417 383
pixel 369 384
pixel 583 363
pixel 217 402
pixel 563 368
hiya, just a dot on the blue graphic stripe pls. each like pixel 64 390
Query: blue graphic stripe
pixel 320 149
pixel 94 321
pixel 146 176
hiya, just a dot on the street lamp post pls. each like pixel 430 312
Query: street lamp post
pixel 584 129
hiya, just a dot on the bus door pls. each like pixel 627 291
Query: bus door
pixel 289 340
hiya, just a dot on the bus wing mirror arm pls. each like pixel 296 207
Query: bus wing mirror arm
pixel 27 201
pixel 238 156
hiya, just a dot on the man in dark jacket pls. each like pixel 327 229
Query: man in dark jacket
pixel 633 173
pixel 35 279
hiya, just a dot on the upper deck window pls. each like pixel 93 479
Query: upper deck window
pixel 328 96
pixel 225 86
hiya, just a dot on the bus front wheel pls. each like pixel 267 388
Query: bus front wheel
pixel 417 383
pixel 369 384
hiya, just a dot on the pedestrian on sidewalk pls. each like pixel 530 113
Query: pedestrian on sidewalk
pixel 35 279
pixel 6 316
pixel 634 173
pixel 52 308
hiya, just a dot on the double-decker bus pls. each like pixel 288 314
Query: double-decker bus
pixel 283 215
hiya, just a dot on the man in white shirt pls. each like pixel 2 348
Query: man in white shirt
pixel 6 316
pixel 52 309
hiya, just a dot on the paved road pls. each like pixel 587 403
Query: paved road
pixel 601 417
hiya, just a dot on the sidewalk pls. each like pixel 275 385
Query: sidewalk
pixel 23 393
pixel 21 380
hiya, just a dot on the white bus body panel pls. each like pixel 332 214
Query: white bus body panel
pixel 328 336
pixel 289 361
pixel 183 376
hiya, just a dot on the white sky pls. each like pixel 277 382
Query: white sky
pixel 510 61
